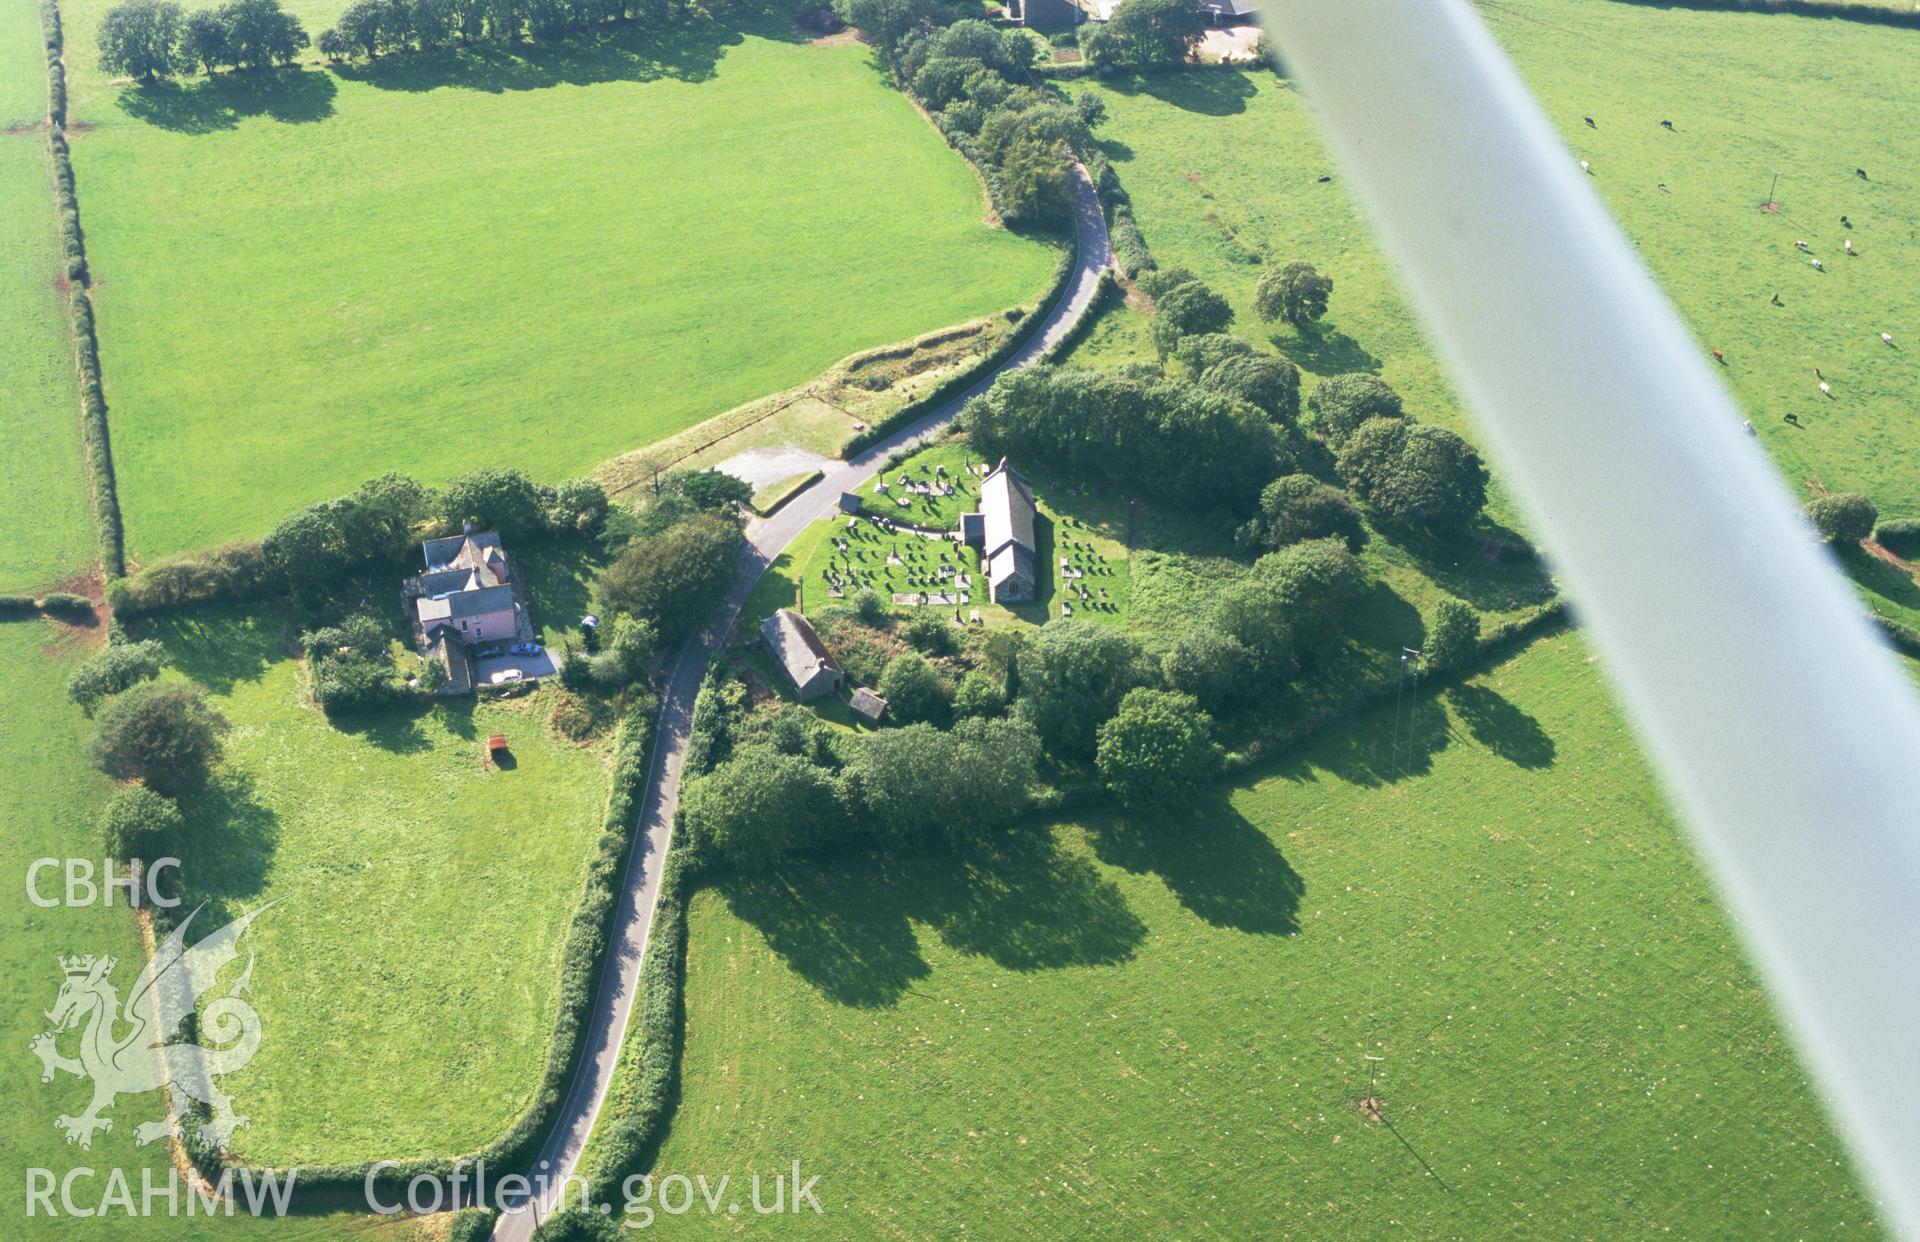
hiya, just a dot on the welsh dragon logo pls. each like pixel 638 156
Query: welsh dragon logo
pixel 146 1056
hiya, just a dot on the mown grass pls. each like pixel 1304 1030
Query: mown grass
pixel 49 798
pixel 407 976
pixel 1162 1025
pixel 46 529
pixel 540 256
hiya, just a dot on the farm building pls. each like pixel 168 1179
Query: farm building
pixel 868 706
pixel 1046 14
pixel 794 646
pixel 1003 531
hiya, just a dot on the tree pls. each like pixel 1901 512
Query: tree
pixel 674 580
pixel 1036 180
pixel 1251 613
pixel 913 689
pixel 333 45
pixel 114 669
pixel 1453 635
pixel 1187 310
pixel 1266 381
pixel 886 22
pixel 1145 33
pixel 712 489
pixel 139 824
pixel 1072 677
pixel 494 498
pixel 577 505
pixel 164 735
pixel 929 632
pixel 1313 583
pixel 966 782
pixel 979 694
pixel 1157 749
pixel 758 806
pixel 203 42
pixel 260 33
pixel 1215 668
pixel 1296 507
pixel 1295 293
pixel 1843 518
pixel 1340 403
pixel 359 26
pixel 1419 476
pixel 141 39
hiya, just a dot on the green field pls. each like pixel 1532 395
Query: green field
pixel 1161 1028
pixel 46 531
pixel 1222 171
pixel 48 800
pixel 536 256
pixel 424 901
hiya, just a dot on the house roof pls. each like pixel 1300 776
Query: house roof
pixel 1006 506
pixel 465 604
pixel 467 551
pixel 799 649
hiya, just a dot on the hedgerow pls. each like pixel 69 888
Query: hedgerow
pixel 1898 535
pixel 93 403
pixel 963 380
pixel 581 957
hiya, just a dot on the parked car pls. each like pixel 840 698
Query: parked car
pixel 525 649
pixel 506 675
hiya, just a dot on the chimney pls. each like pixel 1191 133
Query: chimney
pixel 466 526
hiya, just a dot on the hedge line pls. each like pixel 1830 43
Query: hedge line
pixel 1123 231
pixel 1902 636
pixel 1853 12
pixel 472 1225
pixel 1899 535
pixel 93 401
pixel 580 963
pixel 957 383
pixel 624 1136
pixel 232 571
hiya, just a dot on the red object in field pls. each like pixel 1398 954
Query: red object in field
pixel 496 743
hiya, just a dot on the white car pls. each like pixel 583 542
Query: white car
pixel 506 675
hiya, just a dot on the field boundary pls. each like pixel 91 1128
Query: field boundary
pixel 580 958
pixel 78 281
pixel 1863 13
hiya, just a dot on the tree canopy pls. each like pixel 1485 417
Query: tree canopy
pixel 1297 507
pixel 1157 750
pixel 163 734
pixel 1418 476
pixel 1295 293
pixel 1143 34
pixel 1340 403
pixel 1843 517
pixel 1072 677
pixel 674 580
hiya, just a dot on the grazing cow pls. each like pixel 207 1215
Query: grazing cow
pixel 1589 121
pixel 1860 173
pixel 1586 168
pixel 1800 245
pixel 1790 418
pixel 1666 125
pixel 1845 223
pixel 1818 264
pixel 1825 389
pixel 1847 245
pixel 1887 337
pixel 1777 301
pixel 1719 357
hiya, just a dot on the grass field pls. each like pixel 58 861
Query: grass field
pixel 1162 1027
pixel 46 531
pixel 537 256
pixel 48 800
pixel 424 900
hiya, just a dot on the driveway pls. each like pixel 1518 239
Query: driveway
pixel 542 665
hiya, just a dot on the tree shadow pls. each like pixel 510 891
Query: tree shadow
pixel 219 646
pixel 1216 863
pixel 687 53
pixel 1324 351
pixel 1501 727
pixel 847 928
pixel 227 846
pixel 1381 747
pixel 396 729
pixel 1114 149
pixel 1027 905
pixel 1882 579
pixel 1212 92
pixel 1489 565
pixel 294 96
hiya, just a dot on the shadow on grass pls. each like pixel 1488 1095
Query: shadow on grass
pixel 220 646
pixel 396 729
pixel 688 53
pixel 1501 727
pixel 1882 579
pixel 1469 565
pixel 849 929
pixel 1383 746
pixel 1211 92
pixel 294 96
pixel 227 847
pixel 1213 859
pixel 1324 351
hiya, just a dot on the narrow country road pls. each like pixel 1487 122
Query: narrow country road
pixel 766 540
